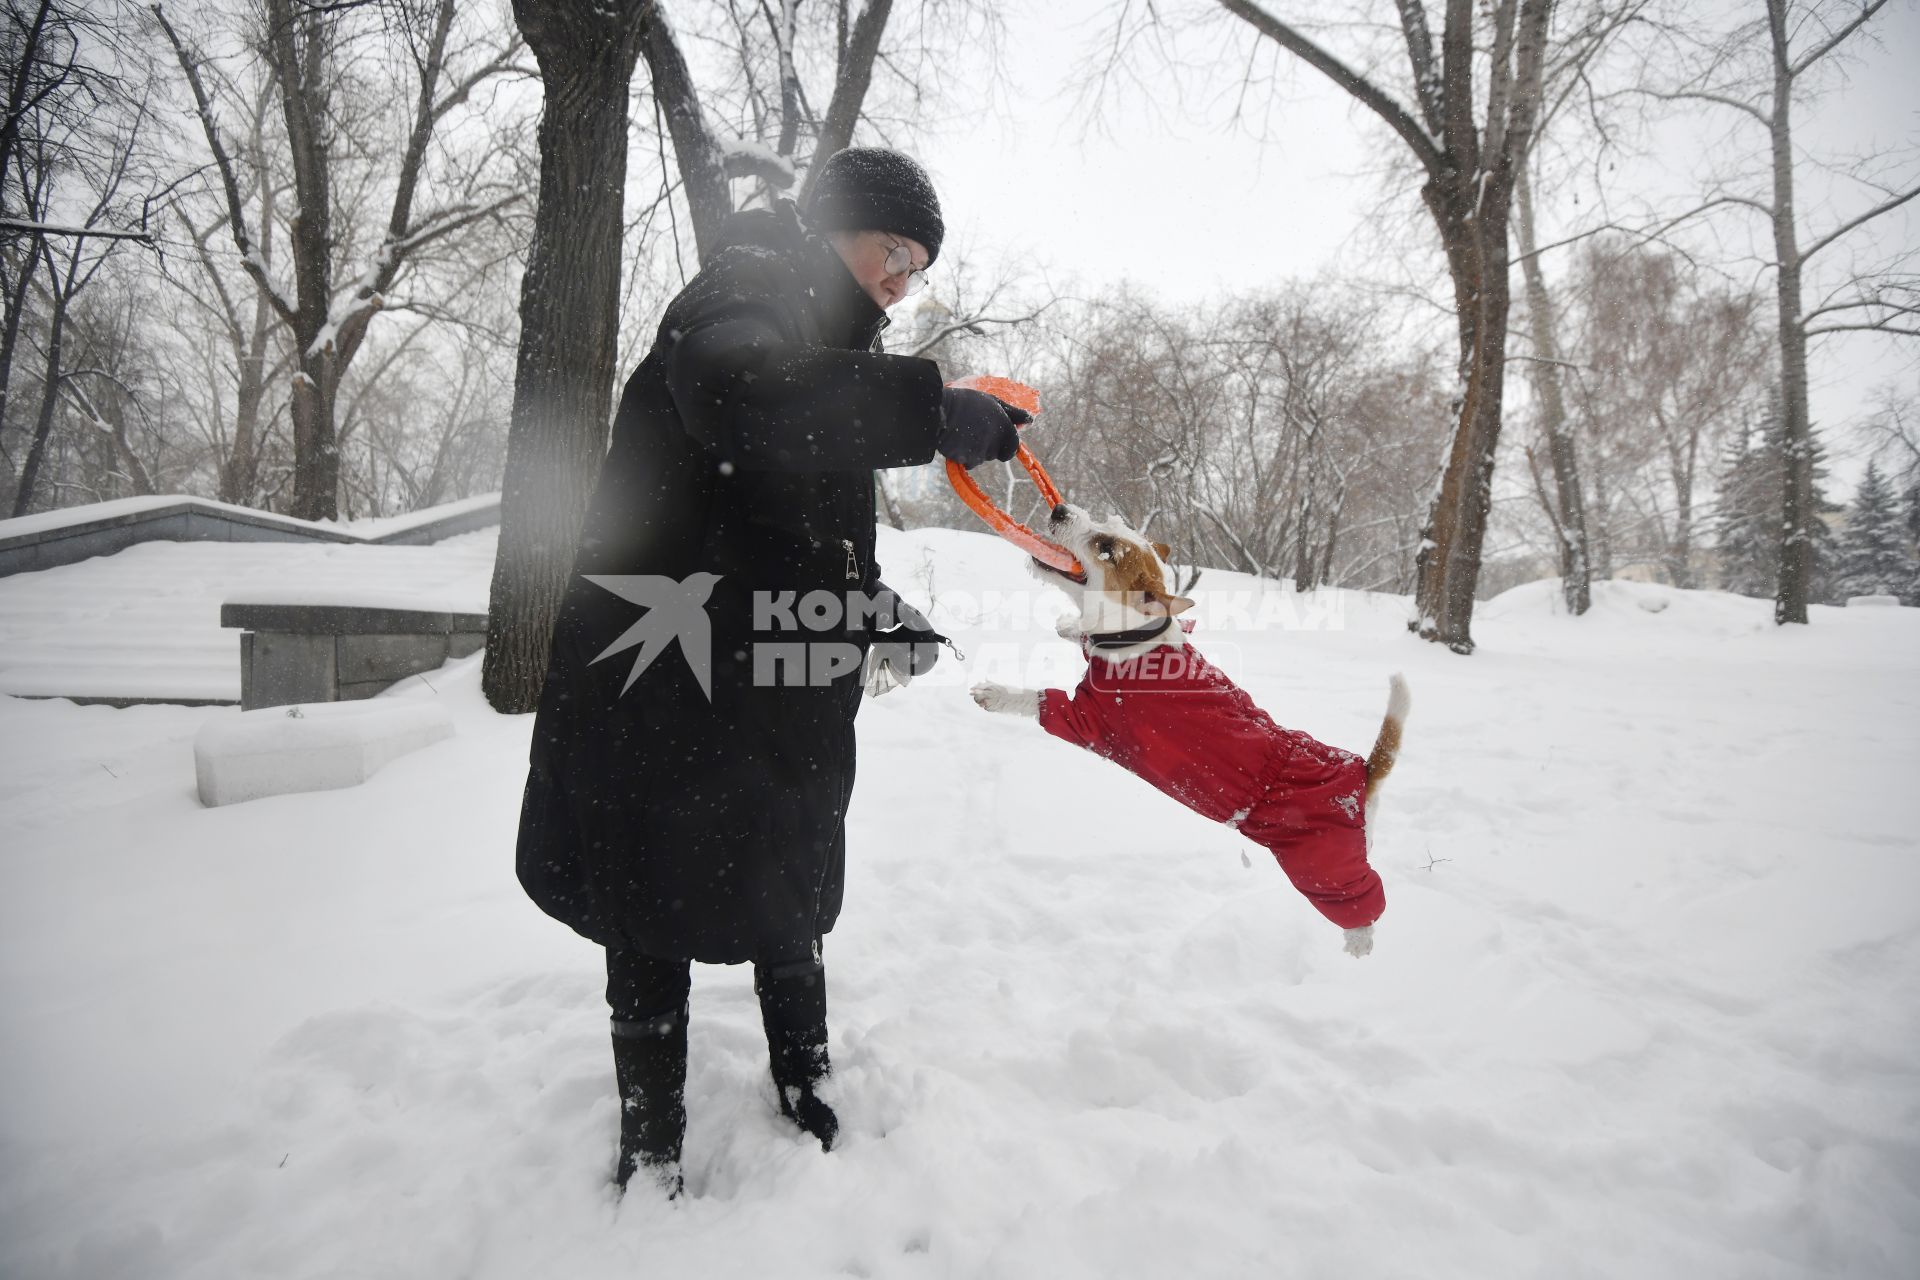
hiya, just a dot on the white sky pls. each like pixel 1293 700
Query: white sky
pixel 1172 196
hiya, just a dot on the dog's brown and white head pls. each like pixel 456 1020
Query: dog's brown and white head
pixel 1126 583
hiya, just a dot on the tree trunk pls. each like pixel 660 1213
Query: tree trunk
pixel 10 332
pixel 240 476
pixel 1303 557
pixel 789 80
pixel 1570 521
pixel 1680 545
pixel 21 79
pixel 569 299
pixel 297 48
pixel 1333 539
pixel 50 395
pixel 1796 525
pixel 316 450
pixel 1473 230
pixel 1682 462
pixel 1602 541
pixel 702 169
pixel 854 75
pixel 113 412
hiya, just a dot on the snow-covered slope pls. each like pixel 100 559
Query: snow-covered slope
pixel 1645 1002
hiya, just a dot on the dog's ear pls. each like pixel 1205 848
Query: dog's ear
pixel 1156 603
pixel 1164 551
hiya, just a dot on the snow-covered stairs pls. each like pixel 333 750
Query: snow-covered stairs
pixel 144 624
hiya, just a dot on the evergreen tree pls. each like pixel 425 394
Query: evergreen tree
pixel 1911 595
pixel 1748 530
pixel 1874 556
pixel 1826 546
pixel 1747 524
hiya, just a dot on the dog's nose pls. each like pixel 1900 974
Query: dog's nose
pixel 1059 514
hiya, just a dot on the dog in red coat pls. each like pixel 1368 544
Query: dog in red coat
pixel 1152 703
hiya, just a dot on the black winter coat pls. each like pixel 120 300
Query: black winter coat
pixel 655 817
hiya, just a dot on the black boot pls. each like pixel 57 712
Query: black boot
pixel 650 1064
pixel 793 1008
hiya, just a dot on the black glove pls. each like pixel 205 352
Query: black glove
pixel 908 647
pixel 978 427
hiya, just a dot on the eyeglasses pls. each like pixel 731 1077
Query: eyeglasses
pixel 900 258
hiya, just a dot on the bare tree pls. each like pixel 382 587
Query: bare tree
pixel 796 85
pixel 243 317
pixel 422 429
pixel 968 321
pixel 119 441
pixel 1470 151
pixel 1466 110
pixel 302 47
pixel 62 151
pixel 1892 435
pixel 70 141
pixel 34 79
pixel 1672 361
pixel 1267 433
pixel 1759 71
pixel 1578 113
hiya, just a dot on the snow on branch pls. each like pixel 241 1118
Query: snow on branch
pixel 49 229
pixel 350 312
pixel 444 223
pixel 745 158
pixel 257 268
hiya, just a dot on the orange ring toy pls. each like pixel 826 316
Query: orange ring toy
pixel 1053 554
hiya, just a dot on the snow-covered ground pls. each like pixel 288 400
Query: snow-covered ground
pixel 1645 1002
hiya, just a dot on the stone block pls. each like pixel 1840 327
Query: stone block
pixel 347 620
pixel 290 668
pixel 386 657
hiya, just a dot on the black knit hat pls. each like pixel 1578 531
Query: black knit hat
pixel 870 189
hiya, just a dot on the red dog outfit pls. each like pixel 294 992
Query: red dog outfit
pixel 1173 718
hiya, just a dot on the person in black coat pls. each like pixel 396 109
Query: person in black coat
pixel 693 750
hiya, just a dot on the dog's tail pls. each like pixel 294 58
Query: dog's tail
pixel 1386 748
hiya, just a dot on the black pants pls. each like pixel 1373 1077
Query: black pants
pixel 641 987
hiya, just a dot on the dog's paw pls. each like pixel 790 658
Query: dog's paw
pixel 998 697
pixel 1068 629
pixel 1360 941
